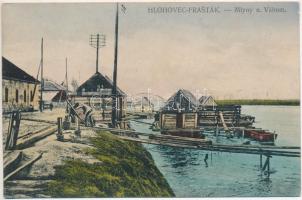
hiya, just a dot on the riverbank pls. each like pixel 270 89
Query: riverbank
pixel 272 102
pixel 97 164
pixel 126 170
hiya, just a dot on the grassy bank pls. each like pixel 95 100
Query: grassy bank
pixel 291 102
pixel 126 170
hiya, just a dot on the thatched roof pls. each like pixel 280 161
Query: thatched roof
pixel 181 101
pixel 11 72
pixel 97 82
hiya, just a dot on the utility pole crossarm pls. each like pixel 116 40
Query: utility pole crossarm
pixel 97 41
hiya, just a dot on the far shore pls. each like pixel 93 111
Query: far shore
pixel 279 102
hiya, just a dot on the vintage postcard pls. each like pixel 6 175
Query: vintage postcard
pixel 151 99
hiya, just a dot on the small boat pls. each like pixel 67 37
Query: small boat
pixel 260 135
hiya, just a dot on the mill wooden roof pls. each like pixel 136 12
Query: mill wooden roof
pixel 182 100
pixel 98 80
pixel 207 100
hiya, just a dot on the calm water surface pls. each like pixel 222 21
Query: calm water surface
pixel 230 174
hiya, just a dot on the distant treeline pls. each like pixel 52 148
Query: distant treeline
pixel 289 102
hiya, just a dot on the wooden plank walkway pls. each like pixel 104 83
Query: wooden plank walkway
pixel 215 147
pixel 192 143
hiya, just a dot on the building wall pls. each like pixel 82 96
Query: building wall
pixel 11 100
pixel 178 120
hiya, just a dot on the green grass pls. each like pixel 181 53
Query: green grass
pixel 127 170
pixel 290 102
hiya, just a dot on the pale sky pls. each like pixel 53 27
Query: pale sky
pixel 232 55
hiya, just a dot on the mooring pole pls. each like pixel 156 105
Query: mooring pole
pixel 260 160
pixel 268 166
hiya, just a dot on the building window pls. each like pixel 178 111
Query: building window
pixel 31 96
pixel 17 96
pixel 6 95
pixel 24 96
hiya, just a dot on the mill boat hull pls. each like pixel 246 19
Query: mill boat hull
pixel 260 135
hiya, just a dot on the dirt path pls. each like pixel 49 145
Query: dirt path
pixel 31 182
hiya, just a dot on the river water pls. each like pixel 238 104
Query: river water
pixel 230 174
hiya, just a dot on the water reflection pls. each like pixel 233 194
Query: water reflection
pixel 179 157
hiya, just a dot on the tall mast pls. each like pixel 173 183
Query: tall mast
pixel 42 81
pixel 114 90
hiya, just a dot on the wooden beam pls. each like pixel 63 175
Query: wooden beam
pixel 22 167
pixel 12 159
pixel 27 142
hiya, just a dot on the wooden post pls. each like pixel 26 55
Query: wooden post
pixel 268 166
pixel 260 160
pixel 66 123
pixel 196 120
pixel 183 124
pixel 13 131
pixel 60 136
pixel 78 129
pixel 162 121
pixel 59 120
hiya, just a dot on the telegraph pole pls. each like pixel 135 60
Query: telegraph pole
pixel 66 76
pixel 42 81
pixel 114 90
pixel 97 41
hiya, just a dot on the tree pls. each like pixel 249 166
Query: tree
pixel 74 84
